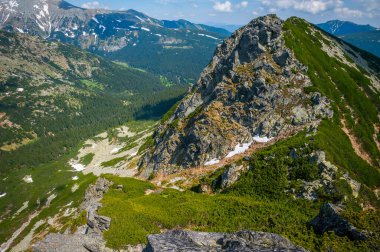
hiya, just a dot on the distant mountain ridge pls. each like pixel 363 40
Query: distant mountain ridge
pixel 338 27
pixel 121 35
pixel 365 37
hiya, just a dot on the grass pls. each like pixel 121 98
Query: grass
pixel 135 215
pixel 113 162
pixel 343 85
pixel 92 84
pixel 87 159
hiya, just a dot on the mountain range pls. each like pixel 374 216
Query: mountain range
pixel 275 147
pixel 128 36
pixel 365 37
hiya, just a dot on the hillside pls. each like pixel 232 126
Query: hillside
pixel 178 50
pixel 280 136
pixel 53 95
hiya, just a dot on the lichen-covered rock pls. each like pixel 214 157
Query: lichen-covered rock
pixel 243 241
pixel 329 219
pixel 253 86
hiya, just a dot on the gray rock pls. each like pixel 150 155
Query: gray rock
pixel 244 92
pixel 232 174
pixel 329 219
pixel 243 241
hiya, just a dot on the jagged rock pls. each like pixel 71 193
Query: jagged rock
pixel 329 219
pixel 231 175
pixel 182 240
pixel 253 86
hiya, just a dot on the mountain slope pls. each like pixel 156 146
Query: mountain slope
pixel 337 27
pixel 125 35
pixel 52 95
pixel 369 41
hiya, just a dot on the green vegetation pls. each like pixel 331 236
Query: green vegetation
pixel 92 84
pixel 87 159
pixel 113 162
pixel 136 215
pixel 165 82
pixel 348 88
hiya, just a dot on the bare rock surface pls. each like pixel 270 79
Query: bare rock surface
pixel 329 219
pixel 242 241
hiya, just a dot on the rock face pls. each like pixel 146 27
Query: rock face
pixel 329 219
pixel 181 240
pixel 88 238
pixel 91 204
pixel 253 87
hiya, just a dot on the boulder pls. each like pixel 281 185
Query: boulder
pixel 329 219
pixel 242 241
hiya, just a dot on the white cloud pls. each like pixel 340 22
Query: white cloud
pixel 243 4
pixel 223 7
pixel 310 6
pixel 93 5
pixel 346 12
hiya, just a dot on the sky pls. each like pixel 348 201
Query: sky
pixel 241 12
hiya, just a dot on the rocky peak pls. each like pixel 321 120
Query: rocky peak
pixel 252 91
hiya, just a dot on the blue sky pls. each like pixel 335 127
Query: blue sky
pixel 241 12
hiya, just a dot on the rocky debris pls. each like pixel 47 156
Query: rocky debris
pixel 253 87
pixel 183 240
pixel 91 204
pixel 88 238
pixel 71 243
pixel 329 219
pixel 230 176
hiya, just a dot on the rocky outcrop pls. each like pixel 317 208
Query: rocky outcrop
pixel 182 240
pixel 253 86
pixel 329 219
pixel 88 238
pixel 91 204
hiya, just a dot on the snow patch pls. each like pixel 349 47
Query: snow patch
pixel 145 29
pixel 20 90
pixel 159 35
pixel 95 19
pixel 20 30
pixel 239 148
pixel 3 195
pixel 115 150
pixel 28 179
pixel 139 18
pixel 208 36
pixel 76 166
pixel 212 162
pixel 133 27
pixel 259 139
pixel 75 178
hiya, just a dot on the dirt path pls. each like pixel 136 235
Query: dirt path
pixel 355 143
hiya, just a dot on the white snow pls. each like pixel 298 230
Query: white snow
pixel 159 35
pixel 133 27
pixel 262 139
pixel 76 166
pixel 145 29
pixel 208 36
pixel 212 162
pixel 134 44
pixel 13 4
pixel 75 178
pixel 134 154
pixel 75 27
pixel 28 179
pixel 139 18
pixel 19 30
pixel 115 150
pixel 119 21
pixel 102 27
pixel 239 148
pixel 95 19
pixel 20 90
pixel 3 195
